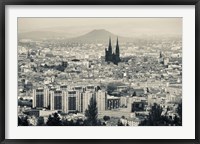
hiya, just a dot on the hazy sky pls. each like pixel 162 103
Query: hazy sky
pixel 121 26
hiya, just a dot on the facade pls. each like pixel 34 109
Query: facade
pixel 57 100
pixel 113 102
pixel 87 95
pixel 173 98
pixel 130 121
pixel 91 88
pixel 135 103
pixel 121 88
pixel 101 98
pixel 166 61
pixel 64 87
pixel 40 112
pixel 151 100
pixel 124 101
pixel 161 58
pixel 72 101
pixel 111 56
pixel 68 100
pixel 138 106
pixel 79 88
pixel 40 98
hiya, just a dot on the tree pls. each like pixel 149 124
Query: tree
pixel 91 113
pixel 54 120
pixel 148 90
pixel 106 118
pixel 79 122
pixel 155 118
pixel 98 88
pixel 68 123
pixel 113 86
pixel 155 114
pixel 40 121
pixel 179 110
pixel 119 123
pixel 23 121
pixel 134 94
pixel 19 121
pixel 178 119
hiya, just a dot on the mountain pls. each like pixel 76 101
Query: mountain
pixel 94 36
pixel 97 35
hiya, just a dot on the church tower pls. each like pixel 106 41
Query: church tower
pixel 28 54
pixel 112 57
pixel 117 48
pixel 110 47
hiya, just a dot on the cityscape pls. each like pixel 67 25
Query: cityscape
pixel 99 72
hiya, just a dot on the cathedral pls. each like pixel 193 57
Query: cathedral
pixel 110 56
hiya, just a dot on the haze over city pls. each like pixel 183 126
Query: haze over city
pixel 99 72
pixel 127 27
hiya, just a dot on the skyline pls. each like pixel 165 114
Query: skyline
pixel 127 27
pixel 94 80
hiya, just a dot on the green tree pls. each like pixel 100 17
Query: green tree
pixel 178 119
pixel 148 90
pixel 113 86
pixel 119 123
pixel 106 118
pixel 40 121
pixel 23 121
pixel 54 120
pixel 68 123
pixel 134 94
pixel 155 118
pixel 92 113
pixel 19 121
pixel 179 110
pixel 79 122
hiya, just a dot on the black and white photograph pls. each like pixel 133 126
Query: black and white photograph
pixel 96 71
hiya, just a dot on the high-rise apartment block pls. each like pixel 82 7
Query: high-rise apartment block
pixel 69 100
pixel 57 101
pixel 40 97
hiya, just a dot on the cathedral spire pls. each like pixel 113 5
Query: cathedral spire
pixel 160 54
pixel 112 56
pixel 117 48
pixel 110 46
